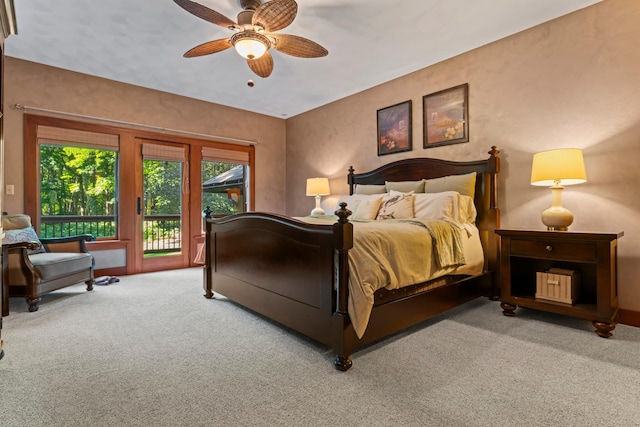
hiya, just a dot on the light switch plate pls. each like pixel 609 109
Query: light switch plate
pixel 10 190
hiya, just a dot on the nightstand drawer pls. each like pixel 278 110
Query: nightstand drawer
pixel 553 249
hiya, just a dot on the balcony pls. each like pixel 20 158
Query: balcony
pixel 161 232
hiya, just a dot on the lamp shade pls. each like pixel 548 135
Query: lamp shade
pixel 564 166
pixel 318 187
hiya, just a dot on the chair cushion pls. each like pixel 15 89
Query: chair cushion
pixel 15 222
pixel 52 265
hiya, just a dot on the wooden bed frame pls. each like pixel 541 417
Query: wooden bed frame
pixel 297 273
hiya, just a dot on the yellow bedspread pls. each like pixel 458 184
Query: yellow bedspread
pixel 395 253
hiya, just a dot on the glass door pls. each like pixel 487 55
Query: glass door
pixel 162 206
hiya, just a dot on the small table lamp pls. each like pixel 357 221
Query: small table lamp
pixel 556 168
pixel 318 187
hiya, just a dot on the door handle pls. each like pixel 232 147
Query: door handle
pixel 139 205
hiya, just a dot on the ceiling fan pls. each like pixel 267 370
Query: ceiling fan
pixel 255 33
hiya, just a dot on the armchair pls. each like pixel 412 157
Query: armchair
pixel 32 266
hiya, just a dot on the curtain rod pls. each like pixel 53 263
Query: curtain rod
pixel 159 129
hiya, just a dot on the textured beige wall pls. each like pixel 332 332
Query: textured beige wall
pixel 571 82
pixel 55 89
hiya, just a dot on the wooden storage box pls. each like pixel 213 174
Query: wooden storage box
pixel 558 285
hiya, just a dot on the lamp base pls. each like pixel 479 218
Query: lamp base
pixel 317 211
pixel 557 218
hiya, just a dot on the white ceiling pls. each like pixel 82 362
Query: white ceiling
pixel 141 42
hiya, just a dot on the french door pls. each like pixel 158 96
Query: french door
pixel 162 206
pixel 140 193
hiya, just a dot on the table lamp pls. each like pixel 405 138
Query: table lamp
pixel 318 187
pixel 555 169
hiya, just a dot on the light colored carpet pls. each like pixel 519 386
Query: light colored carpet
pixel 152 351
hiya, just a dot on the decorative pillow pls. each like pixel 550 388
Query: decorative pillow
pixel 370 189
pixel 463 184
pixel 367 209
pixel 362 206
pixel 441 206
pixel 405 186
pixel 396 205
pixel 447 206
pixel 15 222
pixel 23 235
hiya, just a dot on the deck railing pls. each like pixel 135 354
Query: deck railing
pixel 161 232
pixel 69 225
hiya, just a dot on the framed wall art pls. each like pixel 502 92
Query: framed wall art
pixel 446 116
pixel 394 129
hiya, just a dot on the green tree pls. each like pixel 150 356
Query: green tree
pixel 162 187
pixel 79 182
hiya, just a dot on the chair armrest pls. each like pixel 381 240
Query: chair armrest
pixel 30 246
pixel 21 251
pixel 67 244
pixel 76 238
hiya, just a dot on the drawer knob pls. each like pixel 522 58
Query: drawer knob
pixel 549 248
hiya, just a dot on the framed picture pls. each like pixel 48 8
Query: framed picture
pixel 446 116
pixel 394 129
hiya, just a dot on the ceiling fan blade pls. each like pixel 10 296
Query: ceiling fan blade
pixel 205 13
pixel 208 48
pixel 262 66
pixel 298 46
pixel 275 15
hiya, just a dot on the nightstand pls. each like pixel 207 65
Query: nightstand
pixel 593 256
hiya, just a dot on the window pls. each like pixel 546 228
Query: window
pixel 78 182
pixel 224 181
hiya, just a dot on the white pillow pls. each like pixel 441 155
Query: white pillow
pixel 405 186
pixel 396 205
pixel 447 206
pixel 362 206
pixel 463 184
pixel 468 212
pixel 370 189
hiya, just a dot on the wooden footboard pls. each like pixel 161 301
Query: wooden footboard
pixel 296 270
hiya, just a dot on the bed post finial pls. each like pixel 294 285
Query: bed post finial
pixel 343 213
pixel 494 163
pixel 350 180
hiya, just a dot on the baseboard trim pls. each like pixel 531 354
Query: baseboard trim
pixel 113 271
pixel 629 317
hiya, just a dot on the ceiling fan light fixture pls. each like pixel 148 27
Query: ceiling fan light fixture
pixel 250 45
pixel 254 33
